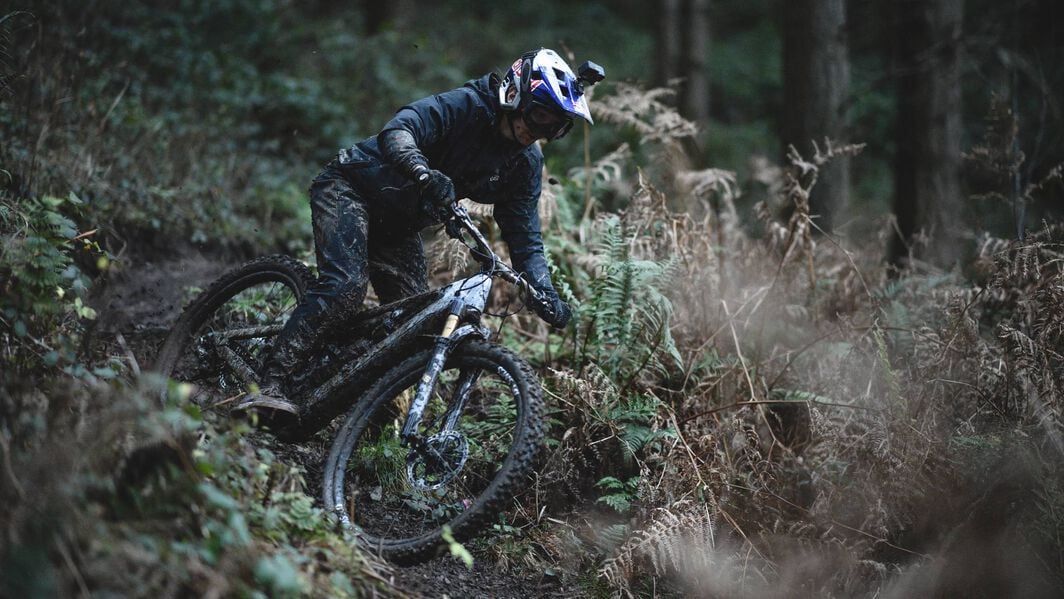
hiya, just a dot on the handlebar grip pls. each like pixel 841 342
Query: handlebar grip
pixel 452 227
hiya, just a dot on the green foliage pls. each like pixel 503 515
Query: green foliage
pixel 37 267
pixel 236 501
pixel 186 134
pixel 44 289
pixel 638 417
pixel 618 494
pixel 457 550
pixel 160 501
pixel 388 462
pixel 279 577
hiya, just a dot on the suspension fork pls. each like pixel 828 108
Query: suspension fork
pixel 449 339
pixel 461 394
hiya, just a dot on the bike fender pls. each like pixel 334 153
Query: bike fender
pixel 466 331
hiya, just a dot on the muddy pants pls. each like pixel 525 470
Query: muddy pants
pixel 354 247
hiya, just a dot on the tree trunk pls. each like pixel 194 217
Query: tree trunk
pixel 695 101
pixel 927 190
pixel 667 42
pixel 681 48
pixel 816 80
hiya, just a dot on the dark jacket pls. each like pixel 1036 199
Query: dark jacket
pixel 457 132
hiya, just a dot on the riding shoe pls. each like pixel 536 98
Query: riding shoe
pixel 270 403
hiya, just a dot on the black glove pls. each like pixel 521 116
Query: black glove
pixel 436 187
pixel 437 191
pixel 553 310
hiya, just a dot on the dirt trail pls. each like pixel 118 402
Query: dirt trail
pixel 141 303
pixel 447 577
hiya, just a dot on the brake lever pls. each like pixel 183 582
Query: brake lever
pixel 453 229
pixel 533 295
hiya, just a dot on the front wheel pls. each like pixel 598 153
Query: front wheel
pixel 479 435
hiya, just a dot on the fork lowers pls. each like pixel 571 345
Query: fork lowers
pixel 440 351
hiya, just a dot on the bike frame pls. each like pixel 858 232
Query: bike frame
pixel 448 316
pixel 460 302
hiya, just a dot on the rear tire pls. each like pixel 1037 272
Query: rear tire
pixel 259 293
pixel 401 512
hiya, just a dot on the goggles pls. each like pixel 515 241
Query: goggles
pixel 546 122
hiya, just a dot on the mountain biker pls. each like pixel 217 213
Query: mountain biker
pixel 369 204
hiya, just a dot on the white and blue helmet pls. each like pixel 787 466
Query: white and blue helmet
pixel 546 92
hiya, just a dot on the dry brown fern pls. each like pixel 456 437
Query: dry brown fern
pixel 677 539
pixel 796 237
pixel 711 185
pixel 590 445
pixel 645 110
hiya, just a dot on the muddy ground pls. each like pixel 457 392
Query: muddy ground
pixel 138 303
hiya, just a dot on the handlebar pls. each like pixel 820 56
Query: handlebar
pixel 483 253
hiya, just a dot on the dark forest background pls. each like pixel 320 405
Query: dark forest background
pixel 838 222
pixel 921 84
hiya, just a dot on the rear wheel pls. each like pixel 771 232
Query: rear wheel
pixel 220 340
pixel 468 463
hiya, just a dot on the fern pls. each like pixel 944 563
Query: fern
pixel 637 416
pixel 607 538
pixel 7 61
pixel 647 112
pixel 680 538
pixel 619 494
pixel 627 316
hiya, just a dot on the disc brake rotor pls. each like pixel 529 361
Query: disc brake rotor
pixel 438 461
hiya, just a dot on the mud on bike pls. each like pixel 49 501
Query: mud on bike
pixel 441 425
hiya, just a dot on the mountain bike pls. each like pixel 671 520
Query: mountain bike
pixel 442 424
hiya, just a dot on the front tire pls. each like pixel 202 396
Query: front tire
pixel 397 503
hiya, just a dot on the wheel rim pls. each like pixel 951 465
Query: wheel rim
pixel 394 494
pixel 238 331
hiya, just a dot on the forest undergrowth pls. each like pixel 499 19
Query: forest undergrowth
pixel 746 406
pixel 764 409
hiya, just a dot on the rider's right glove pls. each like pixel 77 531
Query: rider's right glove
pixel 553 309
pixel 436 187
pixel 437 193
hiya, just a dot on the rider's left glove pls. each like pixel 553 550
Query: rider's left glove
pixel 554 310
